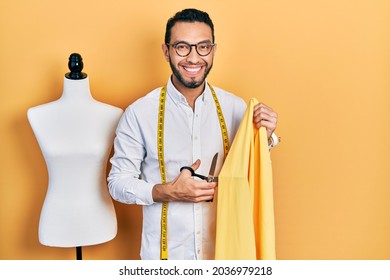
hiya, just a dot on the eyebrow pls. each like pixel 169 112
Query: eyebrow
pixel 204 41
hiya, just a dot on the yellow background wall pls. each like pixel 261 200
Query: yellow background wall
pixel 323 65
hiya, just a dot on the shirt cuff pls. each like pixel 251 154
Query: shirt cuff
pixel 144 193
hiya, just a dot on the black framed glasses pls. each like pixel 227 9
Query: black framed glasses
pixel 184 49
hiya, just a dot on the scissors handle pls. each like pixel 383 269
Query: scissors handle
pixel 211 179
pixel 193 173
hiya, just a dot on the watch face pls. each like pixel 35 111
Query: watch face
pixel 276 139
pixel 273 140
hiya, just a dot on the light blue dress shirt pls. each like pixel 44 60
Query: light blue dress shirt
pixel 189 135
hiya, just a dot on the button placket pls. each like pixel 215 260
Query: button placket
pixel 197 153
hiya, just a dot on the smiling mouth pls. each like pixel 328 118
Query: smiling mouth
pixel 192 70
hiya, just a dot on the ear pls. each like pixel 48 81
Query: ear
pixel 165 50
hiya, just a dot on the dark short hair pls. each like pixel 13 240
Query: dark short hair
pixel 188 15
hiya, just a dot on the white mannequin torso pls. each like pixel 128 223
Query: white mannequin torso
pixel 75 134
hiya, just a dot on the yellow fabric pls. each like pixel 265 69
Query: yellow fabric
pixel 245 227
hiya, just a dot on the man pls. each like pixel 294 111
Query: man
pixel 181 124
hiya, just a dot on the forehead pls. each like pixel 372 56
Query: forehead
pixel 191 32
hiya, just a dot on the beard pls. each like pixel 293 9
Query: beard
pixel 192 83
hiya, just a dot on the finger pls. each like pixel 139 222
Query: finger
pixel 269 125
pixel 266 117
pixel 261 107
pixel 265 113
pixel 204 196
pixel 196 164
pixel 265 120
pixel 203 185
pixel 185 170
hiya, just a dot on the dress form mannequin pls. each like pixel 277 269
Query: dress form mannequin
pixel 75 134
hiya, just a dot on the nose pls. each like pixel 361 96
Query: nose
pixel 193 56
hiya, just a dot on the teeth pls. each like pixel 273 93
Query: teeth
pixel 192 69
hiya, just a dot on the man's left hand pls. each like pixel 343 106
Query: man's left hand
pixel 266 117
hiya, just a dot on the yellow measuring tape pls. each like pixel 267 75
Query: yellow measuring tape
pixel 222 124
pixel 160 147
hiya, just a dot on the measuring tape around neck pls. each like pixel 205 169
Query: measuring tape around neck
pixel 160 148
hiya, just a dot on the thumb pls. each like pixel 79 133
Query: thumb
pixel 196 164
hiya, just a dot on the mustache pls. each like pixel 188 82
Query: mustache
pixel 193 83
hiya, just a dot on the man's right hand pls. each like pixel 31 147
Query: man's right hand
pixel 185 188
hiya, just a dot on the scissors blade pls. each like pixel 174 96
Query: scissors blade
pixel 211 177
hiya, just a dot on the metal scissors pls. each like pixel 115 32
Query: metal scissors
pixel 210 177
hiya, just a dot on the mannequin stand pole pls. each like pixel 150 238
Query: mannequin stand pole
pixel 79 253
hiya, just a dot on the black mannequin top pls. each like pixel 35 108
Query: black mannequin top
pixel 75 66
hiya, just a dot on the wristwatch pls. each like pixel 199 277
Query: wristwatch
pixel 273 140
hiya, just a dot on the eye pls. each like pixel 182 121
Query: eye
pixel 203 46
pixel 181 47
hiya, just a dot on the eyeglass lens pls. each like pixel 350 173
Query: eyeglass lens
pixel 202 48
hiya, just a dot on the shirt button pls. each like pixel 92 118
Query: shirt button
pixel 198 232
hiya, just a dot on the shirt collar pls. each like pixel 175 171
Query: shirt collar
pixel 177 97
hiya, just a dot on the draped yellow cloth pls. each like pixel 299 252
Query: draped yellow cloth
pixel 245 227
